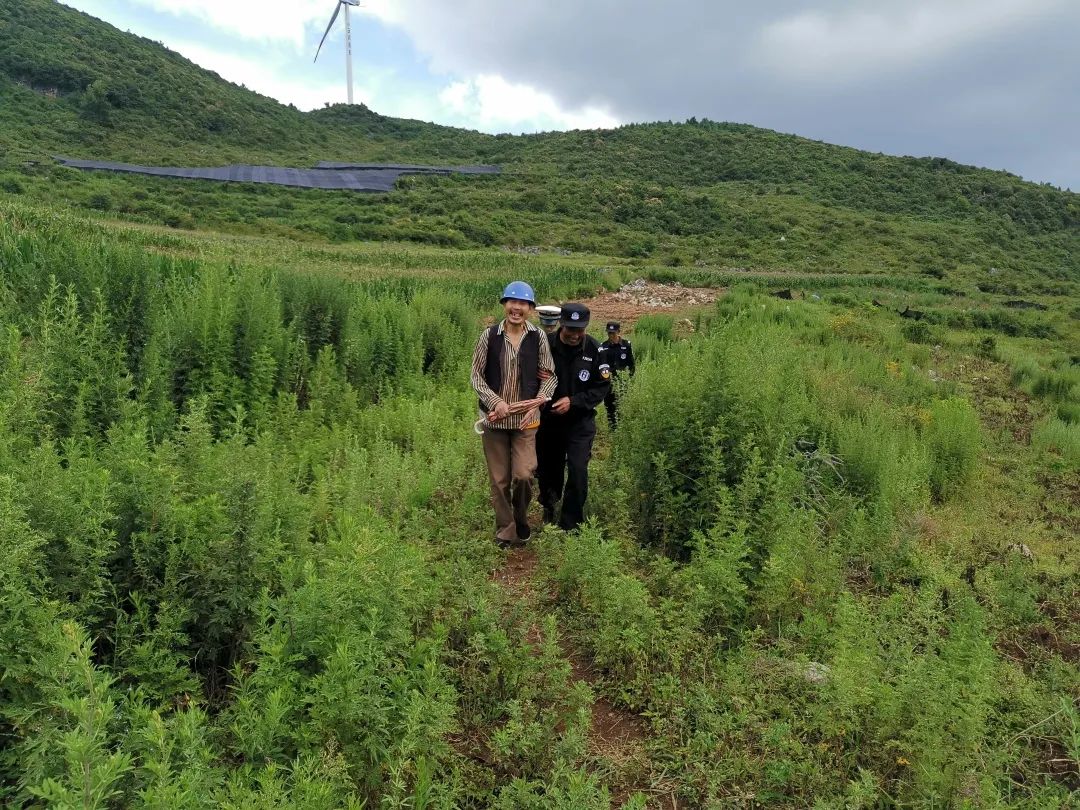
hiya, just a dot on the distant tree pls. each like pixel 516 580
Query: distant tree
pixel 95 102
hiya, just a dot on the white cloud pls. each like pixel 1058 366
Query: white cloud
pixel 488 103
pixel 859 43
pixel 275 20
pixel 464 37
pixel 496 105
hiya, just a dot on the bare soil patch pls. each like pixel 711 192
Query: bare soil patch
pixel 615 734
pixel 641 297
pixel 517 573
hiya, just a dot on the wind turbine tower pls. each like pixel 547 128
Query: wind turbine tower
pixel 348 39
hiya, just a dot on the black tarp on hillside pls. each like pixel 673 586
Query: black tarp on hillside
pixel 409 168
pixel 369 177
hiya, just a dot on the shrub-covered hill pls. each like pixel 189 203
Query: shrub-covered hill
pixel 726 194
pixel 72 83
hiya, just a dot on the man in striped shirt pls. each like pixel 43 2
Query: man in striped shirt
pixel 506 368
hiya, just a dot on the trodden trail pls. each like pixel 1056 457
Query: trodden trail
pixel 617 738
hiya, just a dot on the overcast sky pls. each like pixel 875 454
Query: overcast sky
pixel 989 82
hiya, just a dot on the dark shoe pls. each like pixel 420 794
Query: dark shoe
pixel 524 532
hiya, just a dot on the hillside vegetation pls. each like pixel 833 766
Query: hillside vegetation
pixel 248 545
pixel 725 194
pixel 247 562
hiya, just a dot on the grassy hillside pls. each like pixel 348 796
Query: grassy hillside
pixel 721 194
pixel 77 84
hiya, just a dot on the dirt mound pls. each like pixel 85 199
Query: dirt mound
pixel 641 297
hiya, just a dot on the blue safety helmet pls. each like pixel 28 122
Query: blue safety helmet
pixel 519 291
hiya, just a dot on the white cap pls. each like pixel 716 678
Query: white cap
pixel 549 311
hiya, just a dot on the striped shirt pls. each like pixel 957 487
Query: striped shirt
pixel 511 389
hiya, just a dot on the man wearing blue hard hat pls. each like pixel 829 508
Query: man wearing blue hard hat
pixel 506 375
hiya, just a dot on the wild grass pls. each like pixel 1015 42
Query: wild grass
pixel 766 584
pixel 1060 437
pixel 248 562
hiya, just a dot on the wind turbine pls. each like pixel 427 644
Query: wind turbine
pixel 348 39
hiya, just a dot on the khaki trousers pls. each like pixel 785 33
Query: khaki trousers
pixel 511 463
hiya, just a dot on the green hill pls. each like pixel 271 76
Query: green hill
pixel 73 83
pixel 729 195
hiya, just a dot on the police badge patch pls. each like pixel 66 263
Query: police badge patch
pixel 583 375
pixel 605 371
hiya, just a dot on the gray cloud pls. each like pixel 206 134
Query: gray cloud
pixel 988 82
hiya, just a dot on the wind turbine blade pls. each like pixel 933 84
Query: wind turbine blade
pixel 337 10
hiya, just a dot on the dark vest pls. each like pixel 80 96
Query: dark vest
pixel 528 363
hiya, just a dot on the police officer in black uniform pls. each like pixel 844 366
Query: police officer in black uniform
pixel 568 423
pixel 619 354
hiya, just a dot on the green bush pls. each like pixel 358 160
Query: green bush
pixel 1069 412
pixel 1062 386
pixel 986 348
pixel 658 327
pixel 954 437
pixel 919 332
pixel 11 185
pixel 779 472
pixel 1059 436
pixel 99 202
pixel 229 576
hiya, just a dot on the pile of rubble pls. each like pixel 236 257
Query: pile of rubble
pixel 663 296
pixel 536 250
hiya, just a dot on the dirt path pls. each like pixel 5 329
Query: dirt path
pixel 617 737
pixel 612 728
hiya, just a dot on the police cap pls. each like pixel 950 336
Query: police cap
pixel 549 313
pixel 613 326
pixel 575 315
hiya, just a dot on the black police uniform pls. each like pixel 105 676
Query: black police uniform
pixel 620 356
pixel 564 442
